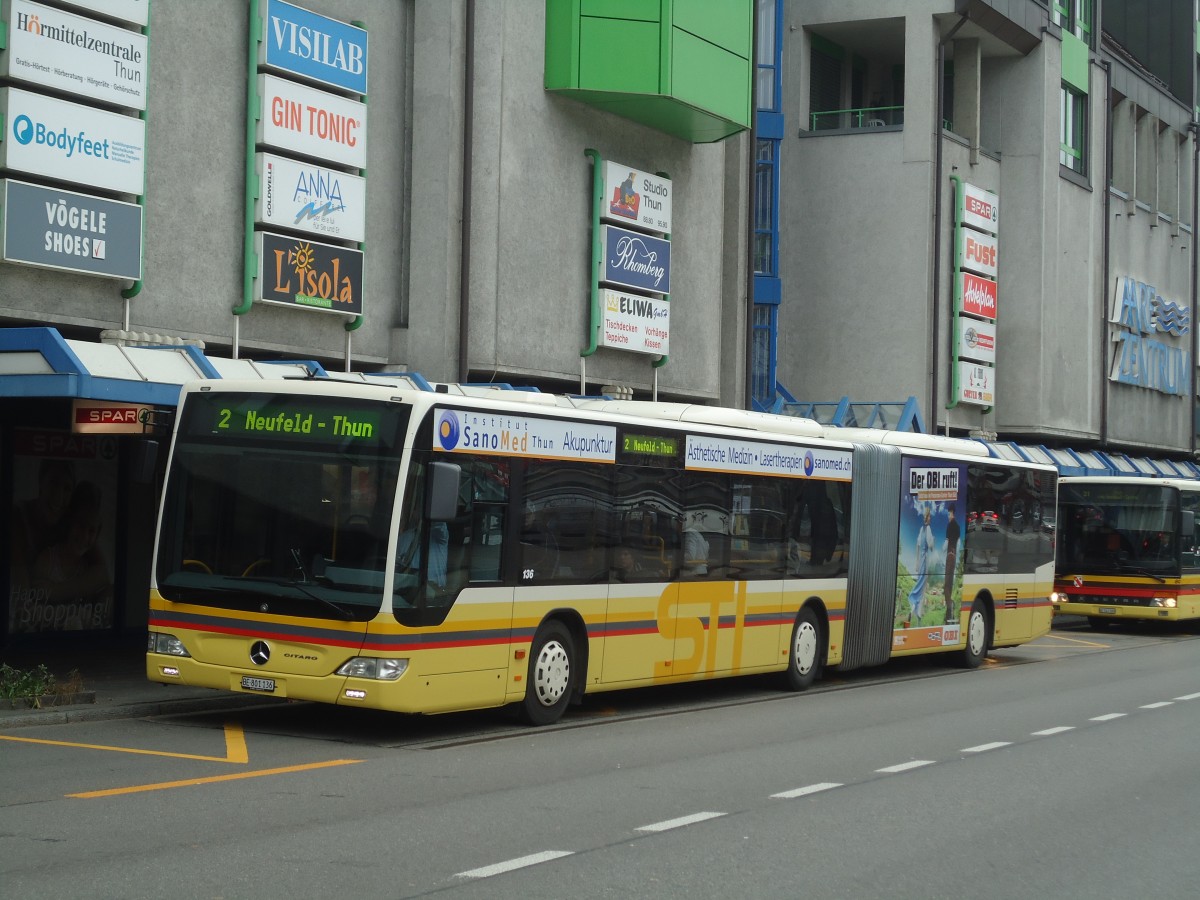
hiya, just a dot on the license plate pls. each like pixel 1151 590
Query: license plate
pixel 267 685
pixel 1108 610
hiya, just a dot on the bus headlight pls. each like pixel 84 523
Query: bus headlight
pixel 374 668
pixel 1164 602
pixel 166 644
pixel 1056 597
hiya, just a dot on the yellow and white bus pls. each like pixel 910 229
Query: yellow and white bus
pixel 1126 549
pixel 383 546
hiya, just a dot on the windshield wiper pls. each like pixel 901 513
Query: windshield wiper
pixel 1138 570
pixel 303 589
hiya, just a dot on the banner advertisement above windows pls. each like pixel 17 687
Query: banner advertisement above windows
pixel 136 12
pixel 69 142
pixel 310 198
pixel 304 274
pixel 312 123
pixel 313 47
pixel 76 55
pixel 56 229
pixel 636 197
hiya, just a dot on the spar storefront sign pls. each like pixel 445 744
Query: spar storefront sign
pixel 75 55
pixel 313 47
pixel 302 273
pixel 57 229
pixel 976 288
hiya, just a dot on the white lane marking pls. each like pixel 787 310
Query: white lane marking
pixel 1189 697
pixel 681 821
pixel 1107 717
pixel 981 748
pixel 1159 705
pixel 904 767
pixel 519 863
pixel 807 789
pixel 1049 731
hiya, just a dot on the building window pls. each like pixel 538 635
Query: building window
pixel 1072 147
pixel 766 89
pixel 766 235
pixel 1074 16
pixel 763 360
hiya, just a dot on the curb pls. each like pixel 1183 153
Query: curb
pixel 81 712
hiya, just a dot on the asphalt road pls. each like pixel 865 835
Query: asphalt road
pixel 1065 768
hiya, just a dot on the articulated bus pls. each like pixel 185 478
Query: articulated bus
pixel 1126 549
pixel 383 546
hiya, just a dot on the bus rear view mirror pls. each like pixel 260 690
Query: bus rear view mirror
pixel 442 493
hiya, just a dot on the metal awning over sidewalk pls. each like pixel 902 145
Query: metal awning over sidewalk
pixel 40 362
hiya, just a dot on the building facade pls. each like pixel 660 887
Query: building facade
pixel 412 186
pixel 990 205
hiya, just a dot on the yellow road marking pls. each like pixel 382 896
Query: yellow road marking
pixel 1071 640
pixel 235 747
pixel 192 782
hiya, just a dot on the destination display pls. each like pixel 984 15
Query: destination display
pixel 284 418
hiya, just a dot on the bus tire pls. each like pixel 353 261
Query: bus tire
pixel 551 678
pixel 804 652
pixel 973 654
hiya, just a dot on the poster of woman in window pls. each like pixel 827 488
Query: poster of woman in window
pixel 61 533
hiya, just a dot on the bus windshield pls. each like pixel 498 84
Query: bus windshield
pixel 280 503
pixel 1118 528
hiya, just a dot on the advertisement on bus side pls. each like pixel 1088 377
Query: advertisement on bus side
pixel 933 504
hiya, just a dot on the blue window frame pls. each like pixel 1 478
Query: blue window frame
pixel 768 126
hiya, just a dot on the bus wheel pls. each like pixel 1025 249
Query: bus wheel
pixel 977 637
pixel 804 653
pixel 551 675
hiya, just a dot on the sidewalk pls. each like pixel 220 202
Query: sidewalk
pixel 114 685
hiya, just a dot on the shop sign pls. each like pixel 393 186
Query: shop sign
pixel 314 47
pixel 636 197
pixel 76 55
pixel 1148 332
pixel 979 208
pixel 105 417
pixel 69 142
pixel 978 253
pixel 311 198
pixel 977 340
pixel 636 260
pixel 302 273
pixel 57 229
pixel 976 384
pixel 978 295
pixel 312 123
pixel 634 322
pixel 134 11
